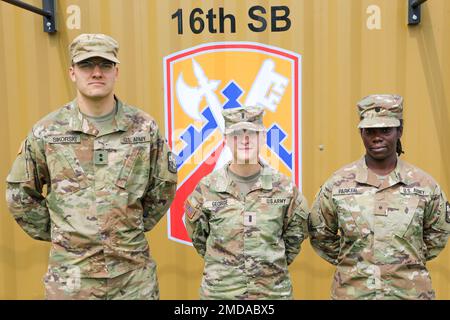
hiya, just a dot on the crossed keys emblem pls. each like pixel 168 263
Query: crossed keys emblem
pixel 267 90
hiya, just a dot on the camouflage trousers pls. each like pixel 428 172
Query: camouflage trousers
pixel 139 284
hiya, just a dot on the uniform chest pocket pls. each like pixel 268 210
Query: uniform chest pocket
pixel 134 171
pixel 66 173
pixel 270 225
pixel 270 217
pixel 408 224
pixel 226 218
pixel 409 219
pixel 351 218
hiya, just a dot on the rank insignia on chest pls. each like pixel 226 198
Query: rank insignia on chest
pixel 100 157
pixel 249 219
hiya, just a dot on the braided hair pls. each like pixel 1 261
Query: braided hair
pixel 399 143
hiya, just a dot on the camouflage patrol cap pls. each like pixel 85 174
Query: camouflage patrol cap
pixel 380 110
pixel 93 45
pixel 249 118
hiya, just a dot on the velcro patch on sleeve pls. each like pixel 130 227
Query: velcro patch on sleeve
pixel 171 162
pixel 189 210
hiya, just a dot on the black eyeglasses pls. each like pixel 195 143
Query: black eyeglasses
pixel 90 65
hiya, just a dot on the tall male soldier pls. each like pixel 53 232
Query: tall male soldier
pixel 246 219
pixel 110 177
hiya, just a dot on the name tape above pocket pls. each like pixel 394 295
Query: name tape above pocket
pixel 64 139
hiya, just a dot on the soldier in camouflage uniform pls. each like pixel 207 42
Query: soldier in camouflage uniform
pixel 109 178
pixel 246 220
pixel 380 219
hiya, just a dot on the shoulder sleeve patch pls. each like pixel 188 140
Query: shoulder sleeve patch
pixel 171 162
pixel 20 171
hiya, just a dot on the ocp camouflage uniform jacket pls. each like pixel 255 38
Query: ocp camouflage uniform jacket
pixel 380 234
pixel 95 215
pixel 247 243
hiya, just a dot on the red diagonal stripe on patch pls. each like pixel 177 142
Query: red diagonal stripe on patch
pixel 177 228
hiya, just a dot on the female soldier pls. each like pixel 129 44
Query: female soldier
pixel 380 219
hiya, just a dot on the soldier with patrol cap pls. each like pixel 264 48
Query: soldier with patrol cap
pixel 246 220
pixel 109 178
pixel 380 219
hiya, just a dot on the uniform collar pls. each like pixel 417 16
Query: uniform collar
pixel 224 183
pixel 79 123
pixel 122 121
pixel 399 175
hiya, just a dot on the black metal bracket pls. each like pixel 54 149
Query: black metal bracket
pixel 414 12
pixel 48 11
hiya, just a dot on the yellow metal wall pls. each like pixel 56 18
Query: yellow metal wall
pixel 343 60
